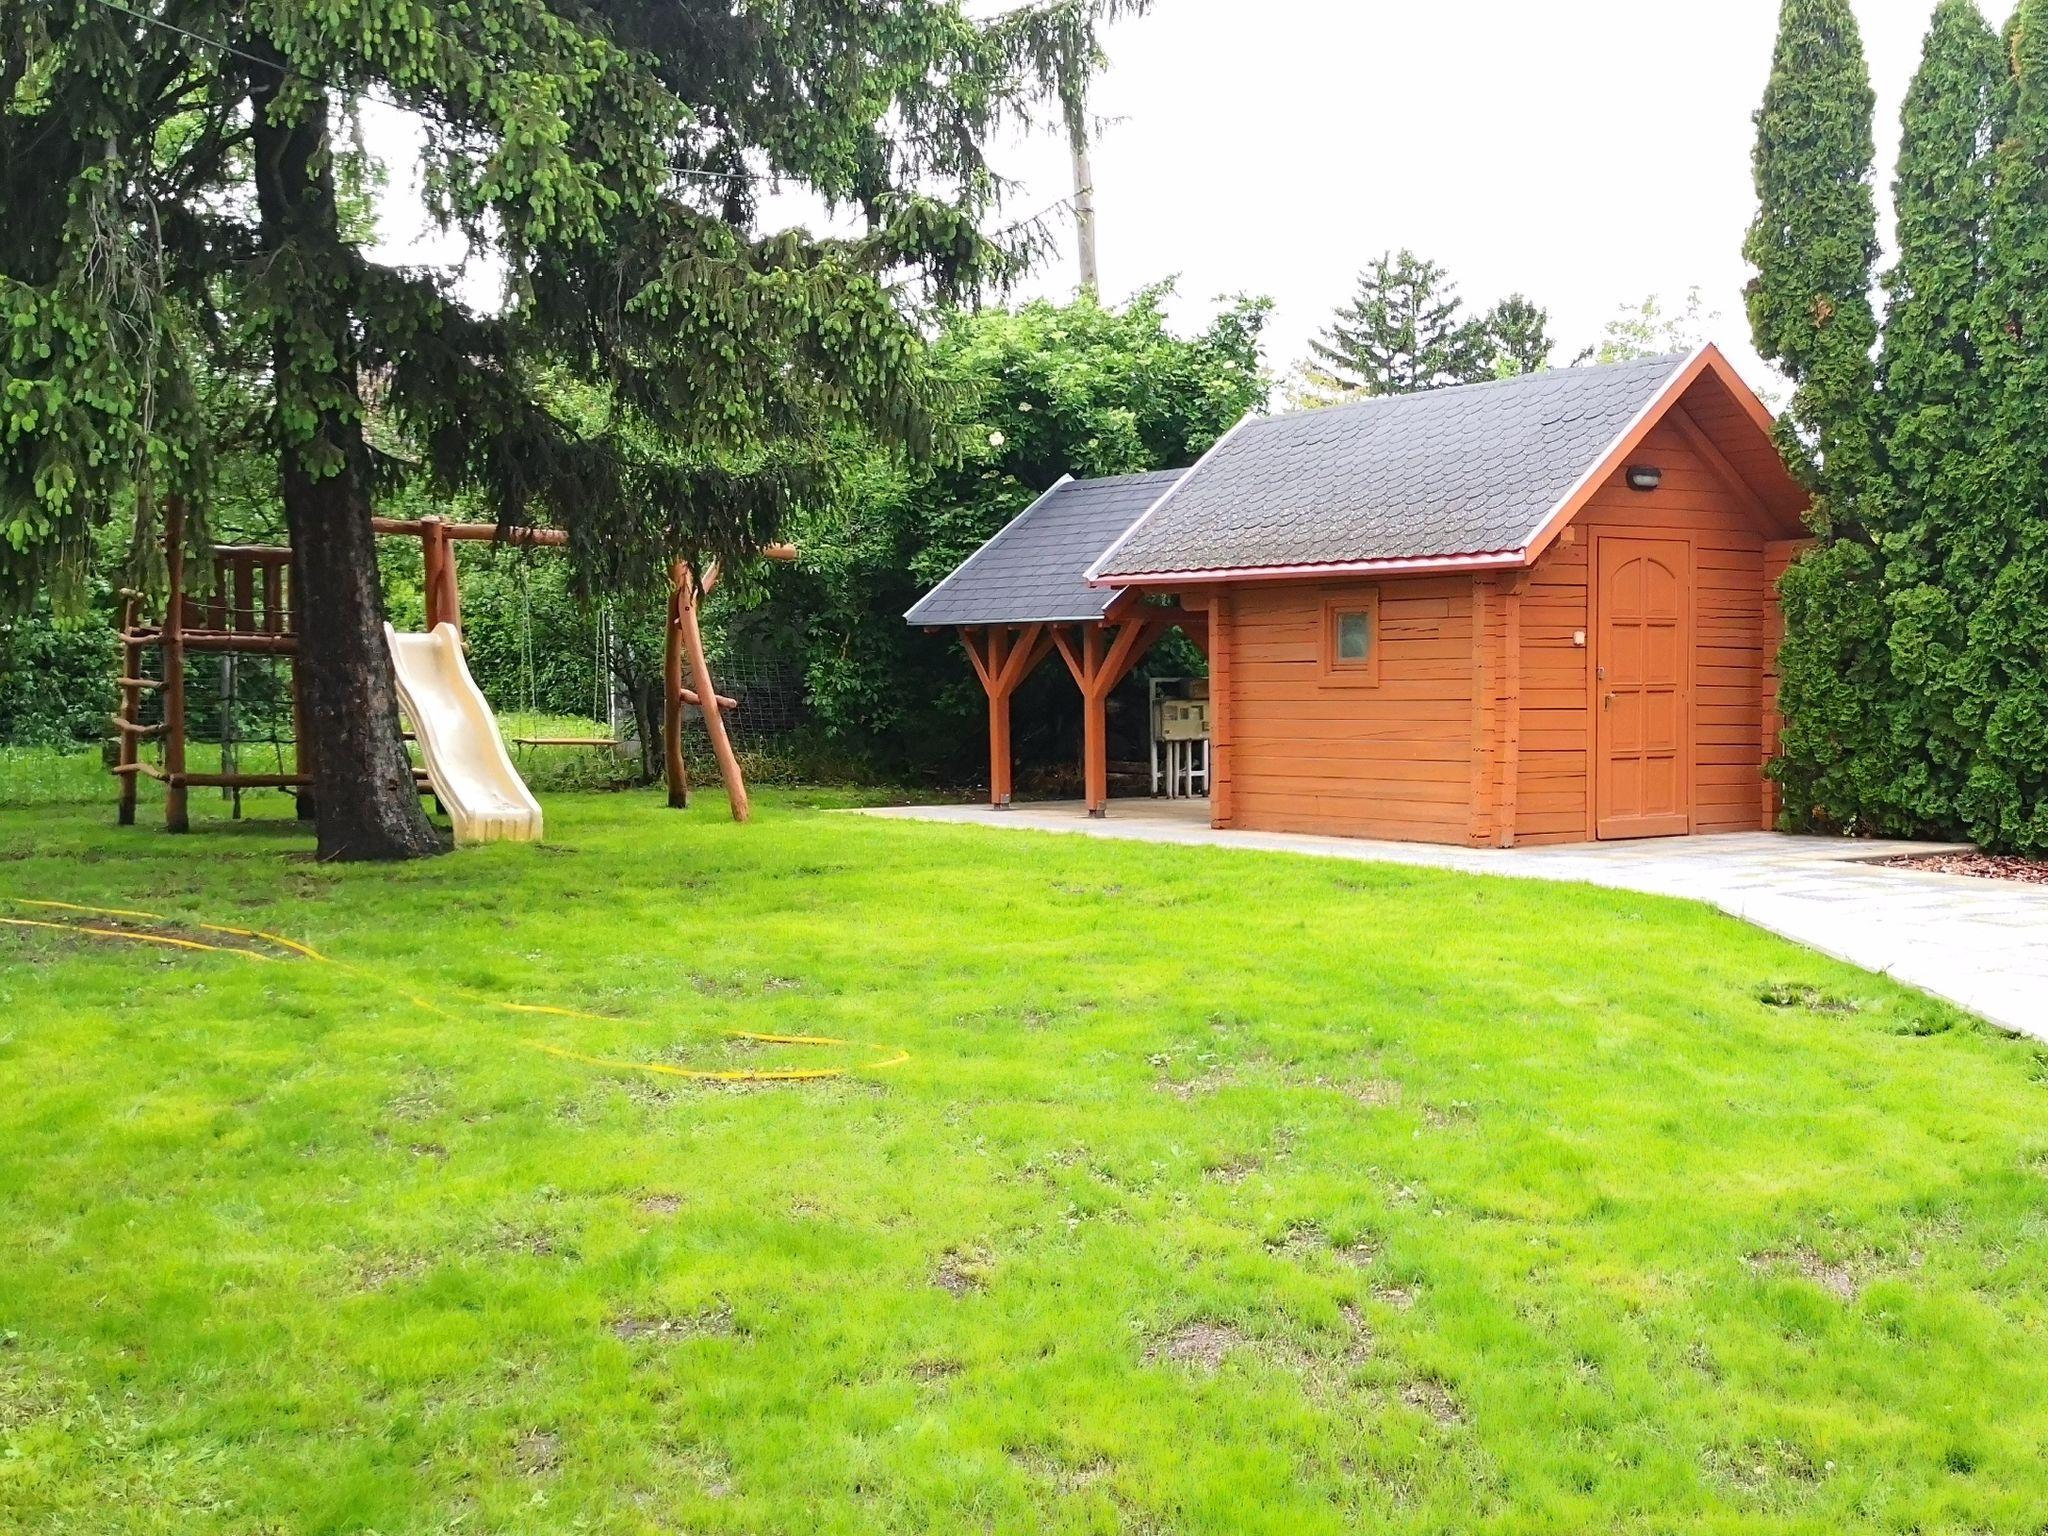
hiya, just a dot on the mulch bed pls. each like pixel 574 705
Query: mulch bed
pixel 1986 866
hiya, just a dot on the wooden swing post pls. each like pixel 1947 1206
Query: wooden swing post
pixel 685 593
pixel 672 695
pixel 686 648
pixel 177 813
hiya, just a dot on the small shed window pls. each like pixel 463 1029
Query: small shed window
pixel 1351 639
pixel 1354 635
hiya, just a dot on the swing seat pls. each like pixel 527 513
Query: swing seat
pixel 567 741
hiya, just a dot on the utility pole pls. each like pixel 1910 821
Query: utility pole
pixel 1084 187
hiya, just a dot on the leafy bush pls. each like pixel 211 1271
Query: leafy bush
pixel 1042 391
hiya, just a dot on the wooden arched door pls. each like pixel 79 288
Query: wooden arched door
pixel 1642 688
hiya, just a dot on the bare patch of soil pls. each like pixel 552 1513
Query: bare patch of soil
pixel 1065 1477
pixel 1237 1170
pixel 961 1274
pixel 537 1452
pixel 1801 994
pixel 715 1323
pixel 1428 1395
pixel 1839 1279
pixel 387 1269
pixel 1203 1345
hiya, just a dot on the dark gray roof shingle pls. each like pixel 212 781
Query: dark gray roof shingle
pixel 1031 572
pixel 1461 471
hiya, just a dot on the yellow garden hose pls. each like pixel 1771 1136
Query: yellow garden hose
pixel 882 1058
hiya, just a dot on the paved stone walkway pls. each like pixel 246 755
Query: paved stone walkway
pixel 1982 944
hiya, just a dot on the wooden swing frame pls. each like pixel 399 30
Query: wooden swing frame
pixel 252 612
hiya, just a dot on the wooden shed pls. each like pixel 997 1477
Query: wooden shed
pixel 1538 610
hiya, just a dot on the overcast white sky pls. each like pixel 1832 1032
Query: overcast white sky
pixel 1585 152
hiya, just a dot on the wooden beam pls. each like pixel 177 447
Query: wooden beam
pixel 1221 666
pixel 1484 783
pixel 971 640
pixel 444 590
pixel 1025 653
pixel 672 695
pixel 1075 668
pixel 1124 655
pixel 1511 712
pixel 472 533
pixel 177 817
pixel 303 753
pixel 132 686
pixel 1127 603
pixel 1094 723
pixel 714 719
pixel 1696 438
pixel 238 781
pixel 998 749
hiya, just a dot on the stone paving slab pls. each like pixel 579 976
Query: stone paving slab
pixel 1981 944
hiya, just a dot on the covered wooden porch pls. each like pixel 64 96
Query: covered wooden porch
pixel 1099 654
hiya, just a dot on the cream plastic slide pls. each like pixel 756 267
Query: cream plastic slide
pixel 458 735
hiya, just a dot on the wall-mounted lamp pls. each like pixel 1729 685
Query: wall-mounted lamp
pixel 1644 477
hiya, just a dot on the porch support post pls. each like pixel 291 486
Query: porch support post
pixel 1221 723
pixel 1094 725
pixel 1099 665
pixel 1002 662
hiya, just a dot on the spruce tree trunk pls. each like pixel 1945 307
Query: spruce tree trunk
pixel 366 805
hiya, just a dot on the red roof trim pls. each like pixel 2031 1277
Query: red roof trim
pixel 1500 559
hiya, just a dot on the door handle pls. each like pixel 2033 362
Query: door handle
pixel 1607 701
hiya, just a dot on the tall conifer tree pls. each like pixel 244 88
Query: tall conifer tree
pixel 1404 331
pixel 1998 566
pixel 1814 245
pixel 1933 401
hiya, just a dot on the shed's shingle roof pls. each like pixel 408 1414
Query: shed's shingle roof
pixel 1462 471
pixel 1032 571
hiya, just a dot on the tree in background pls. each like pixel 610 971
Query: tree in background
pixel 1933 405
pixel 176 202
pixel 1997 563
pixel 1404 330
pixel 1813 247
pixel 1063 47
pixel 1040 392
pixel 1648 329
pixel 1518 333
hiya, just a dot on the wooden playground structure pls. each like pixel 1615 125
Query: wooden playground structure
pixel 250 612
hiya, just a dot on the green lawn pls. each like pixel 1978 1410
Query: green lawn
pixel 1219 1193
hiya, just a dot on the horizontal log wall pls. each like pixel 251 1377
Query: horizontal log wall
pixel 1395 760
